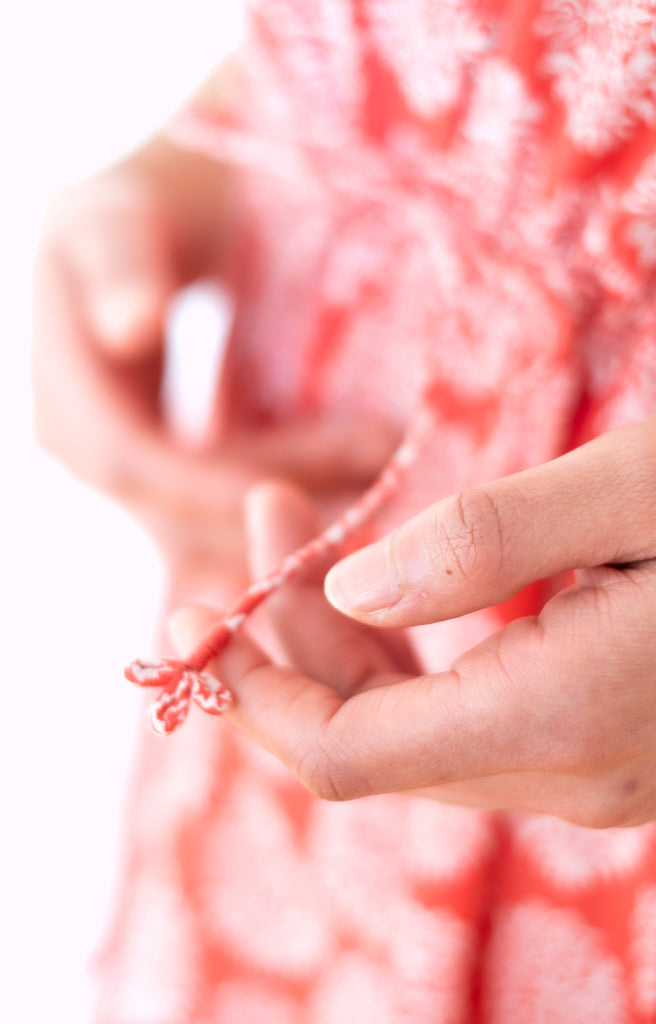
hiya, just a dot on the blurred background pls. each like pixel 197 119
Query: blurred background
pixel 80 85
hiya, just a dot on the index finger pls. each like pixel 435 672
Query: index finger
pixel 552 694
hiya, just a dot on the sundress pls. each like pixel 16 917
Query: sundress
pixel 457 200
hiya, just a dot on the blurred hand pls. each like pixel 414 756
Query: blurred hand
pixel 115 250
pixel 555 713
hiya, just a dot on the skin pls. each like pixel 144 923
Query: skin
pixel 114 252
pixel 556 713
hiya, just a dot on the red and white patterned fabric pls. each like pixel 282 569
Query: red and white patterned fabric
pixel 457 197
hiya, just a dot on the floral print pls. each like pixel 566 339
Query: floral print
pixel 457 198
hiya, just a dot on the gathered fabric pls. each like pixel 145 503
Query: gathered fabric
pixel 452 203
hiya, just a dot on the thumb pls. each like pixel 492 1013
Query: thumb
pixel 123 256
pixel 593 506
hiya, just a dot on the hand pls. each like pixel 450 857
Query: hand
pixel 115 250
pixel 555 713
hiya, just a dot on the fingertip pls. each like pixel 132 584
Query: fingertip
pixel 188 626
pixel 279 519
pixel 279 498
pixel 256 503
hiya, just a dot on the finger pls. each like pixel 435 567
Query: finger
pixel 123 257
pixel 102 418
pixel 101 414
pixel 82 411
pixel 272 705
pixel 201 486
pixel 554 695
pixel 407 736
pixel 318 455
pixel 580 800
pixel 317 640
pixel 422 732
pixel 121 446
pixel 566 694
pixel 595 505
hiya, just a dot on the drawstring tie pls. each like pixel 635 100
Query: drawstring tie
pixel 180 682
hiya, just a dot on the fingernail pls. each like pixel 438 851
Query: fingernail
pixel 363 582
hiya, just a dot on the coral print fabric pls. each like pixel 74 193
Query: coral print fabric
pixel 447 198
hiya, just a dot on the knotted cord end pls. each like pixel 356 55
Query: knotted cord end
pixel 183 681
pixel 180 685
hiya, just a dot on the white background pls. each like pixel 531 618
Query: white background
pixel 80 83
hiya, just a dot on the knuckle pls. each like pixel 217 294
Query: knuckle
pixel 115 472
pixel 466 536
pixel 618 798
pixel 324 770
pixel 602 812
pixel 625 799
pixel 592 818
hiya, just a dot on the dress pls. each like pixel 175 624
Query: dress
pixel 461 194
